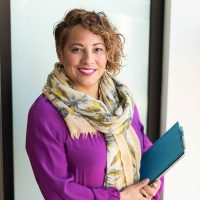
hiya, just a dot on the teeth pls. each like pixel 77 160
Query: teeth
pixel 87 70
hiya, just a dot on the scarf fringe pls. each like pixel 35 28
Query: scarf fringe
pixel 84 135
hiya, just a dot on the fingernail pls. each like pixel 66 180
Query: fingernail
pixel 147 179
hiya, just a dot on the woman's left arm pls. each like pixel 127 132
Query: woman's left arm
pixel 145 144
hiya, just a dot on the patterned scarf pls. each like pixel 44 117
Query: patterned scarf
pixel 111 114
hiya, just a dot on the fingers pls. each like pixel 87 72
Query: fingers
pixel 143 183
pixel 156 184
pixel 152 189
pixel 145 194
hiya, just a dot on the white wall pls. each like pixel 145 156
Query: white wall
pixel 181 94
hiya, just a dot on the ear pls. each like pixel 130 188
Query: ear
pixel 59 54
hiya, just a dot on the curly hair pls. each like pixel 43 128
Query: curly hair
pixel 97 23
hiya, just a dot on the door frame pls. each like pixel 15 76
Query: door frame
pixel 6 134
pixel 155 69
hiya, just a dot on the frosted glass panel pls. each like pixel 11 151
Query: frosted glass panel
pixel 33 57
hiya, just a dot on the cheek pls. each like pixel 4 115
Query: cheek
pixel 70 68
pixel 70 61
pixel 103 61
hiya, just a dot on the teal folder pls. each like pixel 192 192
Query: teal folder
pixel 168 149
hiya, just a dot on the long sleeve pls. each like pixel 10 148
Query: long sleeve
pixel 45 145
pixel 145 143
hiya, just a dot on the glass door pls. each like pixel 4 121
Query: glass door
pixel 33 57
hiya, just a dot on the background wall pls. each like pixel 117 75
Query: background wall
pixel 181 93
pixel 33 57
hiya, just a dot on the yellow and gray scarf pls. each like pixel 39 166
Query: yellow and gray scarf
pixel 111 115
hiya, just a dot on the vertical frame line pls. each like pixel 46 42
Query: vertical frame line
pixel 155 69
pixel 6 101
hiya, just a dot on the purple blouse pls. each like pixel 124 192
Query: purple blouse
pixel 67 169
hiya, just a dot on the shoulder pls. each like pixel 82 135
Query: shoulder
pixel 44 117
pixel 136 117
pixel 139 129
pixel 42 107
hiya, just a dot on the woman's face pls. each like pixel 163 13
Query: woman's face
pixel 84 58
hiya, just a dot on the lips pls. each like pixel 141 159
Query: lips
pixel 86 71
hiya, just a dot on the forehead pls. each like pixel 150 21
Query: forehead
pixel 79 34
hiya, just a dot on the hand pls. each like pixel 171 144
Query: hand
pixel 133 192
pixel 150 191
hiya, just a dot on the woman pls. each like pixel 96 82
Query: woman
pixel 84 135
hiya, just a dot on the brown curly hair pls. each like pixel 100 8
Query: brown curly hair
pixel 97 23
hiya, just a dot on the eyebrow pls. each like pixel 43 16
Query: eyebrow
pixel 83 45
pixel 98 43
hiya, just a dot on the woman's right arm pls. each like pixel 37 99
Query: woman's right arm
pixel 46 151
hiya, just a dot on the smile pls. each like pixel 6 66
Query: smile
pixel 87 71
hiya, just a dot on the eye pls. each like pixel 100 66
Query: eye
pixel 76 50
pixel 99 49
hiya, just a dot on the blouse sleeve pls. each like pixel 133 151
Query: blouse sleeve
pixel 145 143
pixel 46 151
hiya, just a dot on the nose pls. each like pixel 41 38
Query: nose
pixel 88 58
